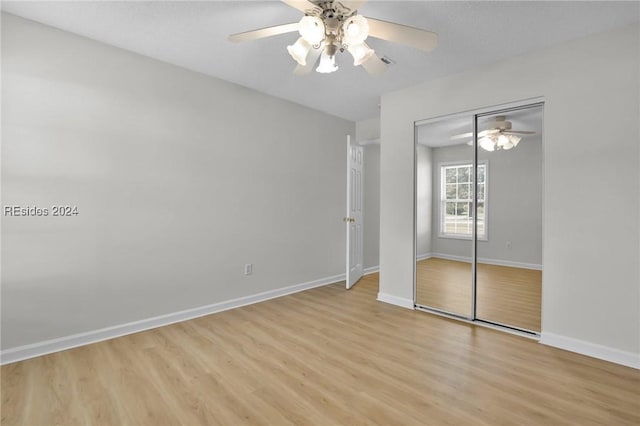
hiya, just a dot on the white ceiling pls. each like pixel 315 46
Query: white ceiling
pixel 194 35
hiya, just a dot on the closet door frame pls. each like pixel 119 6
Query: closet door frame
pixel 474 115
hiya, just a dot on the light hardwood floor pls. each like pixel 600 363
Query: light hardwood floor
pixel 506 295
pixel 326 356
pixel 444 284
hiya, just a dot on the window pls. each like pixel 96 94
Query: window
pixel 456 205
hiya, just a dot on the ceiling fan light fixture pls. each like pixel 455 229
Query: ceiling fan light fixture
pixel 503 142
pixel 299 51
pixel 487 144
pixel 360 52
pixel 497 137
pixel 355 30
pixel 329 22
pixel 327 64
pixel 507 142
pixel 497 142
pixel 331 49
pixel 312 29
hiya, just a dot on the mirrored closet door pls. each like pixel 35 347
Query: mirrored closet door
pixel 444 225
pixel 479 216
pixel 509 243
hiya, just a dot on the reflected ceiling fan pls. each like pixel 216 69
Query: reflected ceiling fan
pixel 329 27
pixel 498 135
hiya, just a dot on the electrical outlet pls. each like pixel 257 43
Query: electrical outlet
pixel 248 269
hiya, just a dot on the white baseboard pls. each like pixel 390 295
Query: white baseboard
pixel 20 353
pixel 593 350
pixel 394 300
pixel 498 262
pixel 371 270
pixel 451 257
pixel 423 256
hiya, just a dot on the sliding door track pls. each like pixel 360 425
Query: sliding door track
pixel 494 325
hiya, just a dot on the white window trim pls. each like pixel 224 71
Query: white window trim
pixel 441 207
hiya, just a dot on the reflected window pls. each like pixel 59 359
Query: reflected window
pixel 456 200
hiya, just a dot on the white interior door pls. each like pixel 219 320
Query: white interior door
pixel 355 158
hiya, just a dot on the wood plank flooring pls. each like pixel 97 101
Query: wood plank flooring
pixel 506 295
pixel 511 296
pixel 444 284
pixel 325 356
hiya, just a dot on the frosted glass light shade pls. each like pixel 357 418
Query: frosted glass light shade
pixel 311 28
pixel 494 143
pixel 507 141
pixel 487 144
pixel 327 64
pixel 360 52
pixel 503 142
pixel 299 51
pixel 497 142
pixel 355 30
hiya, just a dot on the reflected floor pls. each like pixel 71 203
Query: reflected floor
pixel 506 295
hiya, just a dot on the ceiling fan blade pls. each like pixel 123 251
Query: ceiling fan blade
pixel 352 4
pixel 312 58
pixel 470 134
pixel 518 132
pixel 303 6
pixel 410 36
pixel 462 136
pixel 374 65
pixel 263 32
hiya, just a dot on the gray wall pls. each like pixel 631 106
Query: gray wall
pixel 514 204
pixel 591 280
pixel 371 174
pixel 368 131
pixel 425 201
pixel 180 179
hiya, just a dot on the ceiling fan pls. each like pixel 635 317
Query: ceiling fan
pixel 329 27
pixel 498 135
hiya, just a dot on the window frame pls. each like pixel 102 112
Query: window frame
pixel 443 199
